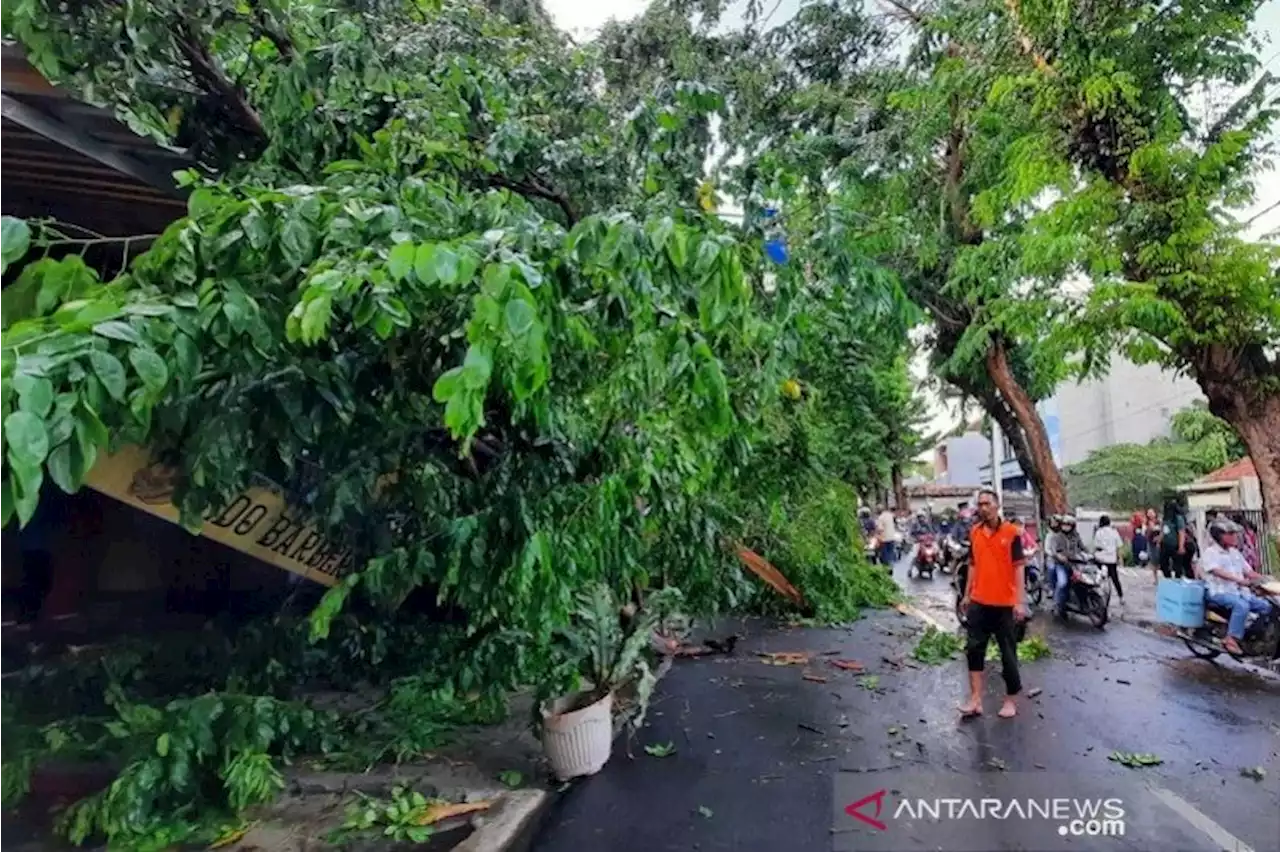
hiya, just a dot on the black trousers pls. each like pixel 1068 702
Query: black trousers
pixel 1114 573
pixel 987 622
pixel 1175 565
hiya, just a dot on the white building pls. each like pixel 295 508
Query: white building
pixel 1130 405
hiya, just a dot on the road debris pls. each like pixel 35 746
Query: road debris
pixel 1134 761
pixel 785 658
pixel 848 665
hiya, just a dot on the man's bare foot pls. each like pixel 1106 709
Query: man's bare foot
pixel 1232 646
pixel 1008 709
pixel 971 708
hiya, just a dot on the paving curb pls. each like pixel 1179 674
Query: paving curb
pixel 511 825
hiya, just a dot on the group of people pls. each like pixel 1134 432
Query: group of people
pixel 994 592
pixel 1169 545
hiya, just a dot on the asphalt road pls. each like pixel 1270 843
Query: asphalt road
pixel 765 757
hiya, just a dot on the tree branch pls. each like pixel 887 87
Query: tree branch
pixel 284 46
pixel 205 68
pixel 535 188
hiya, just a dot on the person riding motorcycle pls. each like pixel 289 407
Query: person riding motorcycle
pixel 1229 581
pixel 1063 547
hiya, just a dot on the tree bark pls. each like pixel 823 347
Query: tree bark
pixel 899 490
pixel 1052 489
pixel 1258 424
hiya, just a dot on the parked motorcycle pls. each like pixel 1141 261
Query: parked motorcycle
pixel 926 558
pixel 873 550
pixel 1261 643
pixel 1088 592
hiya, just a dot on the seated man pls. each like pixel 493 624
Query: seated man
pixel 1229 579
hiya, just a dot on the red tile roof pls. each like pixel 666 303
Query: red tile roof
pixel 1240 469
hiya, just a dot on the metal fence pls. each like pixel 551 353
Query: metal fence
pixel 1251 519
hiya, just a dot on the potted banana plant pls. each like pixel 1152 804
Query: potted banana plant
pixel 608 650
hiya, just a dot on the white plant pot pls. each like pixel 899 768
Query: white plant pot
pixel 578 742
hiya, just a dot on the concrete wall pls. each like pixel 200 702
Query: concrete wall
pixel 1130 405
pixel 964 456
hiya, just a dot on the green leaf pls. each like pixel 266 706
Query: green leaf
pixel 61 469
pixel 25 480
pixel 444 265
pixel 297 242
pixel 35 394
pixel 110 372
pixel 162 745
pixel 15 240
pixel 26 437
pixel 150 368
pixel 424 262
pixel 315 318
pixel 186 354
pixel 6 501
pixel 257 229
pixel 401 260
pixel 512 778
pixel 520 317
pixel 117 330
pixel 447 385
pixel 660 749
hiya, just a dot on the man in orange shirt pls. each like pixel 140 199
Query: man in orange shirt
pixel 993 602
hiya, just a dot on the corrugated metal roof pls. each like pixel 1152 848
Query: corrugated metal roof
pixel 66 159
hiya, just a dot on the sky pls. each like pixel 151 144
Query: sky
pixel 582 19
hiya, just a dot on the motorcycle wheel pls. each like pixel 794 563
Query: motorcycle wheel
pixel 1097 611
pixel 1200 651
pixel 1035 593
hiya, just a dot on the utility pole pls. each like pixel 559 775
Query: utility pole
pixel 997 457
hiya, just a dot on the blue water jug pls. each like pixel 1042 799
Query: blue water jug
pixel 1180 602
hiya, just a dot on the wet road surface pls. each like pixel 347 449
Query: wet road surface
pixel 761 749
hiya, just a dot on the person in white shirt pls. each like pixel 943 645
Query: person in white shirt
pixel 887 530
pixel 1106 549
pixel 1229 580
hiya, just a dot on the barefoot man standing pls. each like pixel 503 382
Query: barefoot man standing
pixel 993 601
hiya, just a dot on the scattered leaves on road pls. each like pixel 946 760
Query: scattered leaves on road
pixel 511 777
pixel 785 658
pixel 869 681
pixel 1257 773
pixel 706 812
pixel 1029 650
pixel 937 646
pixel 660 749
pixel 848 665
pixel 1134 761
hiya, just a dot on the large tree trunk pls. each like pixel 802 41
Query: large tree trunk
pixel 1053 491
pixel 899 490
pixel 1258 423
